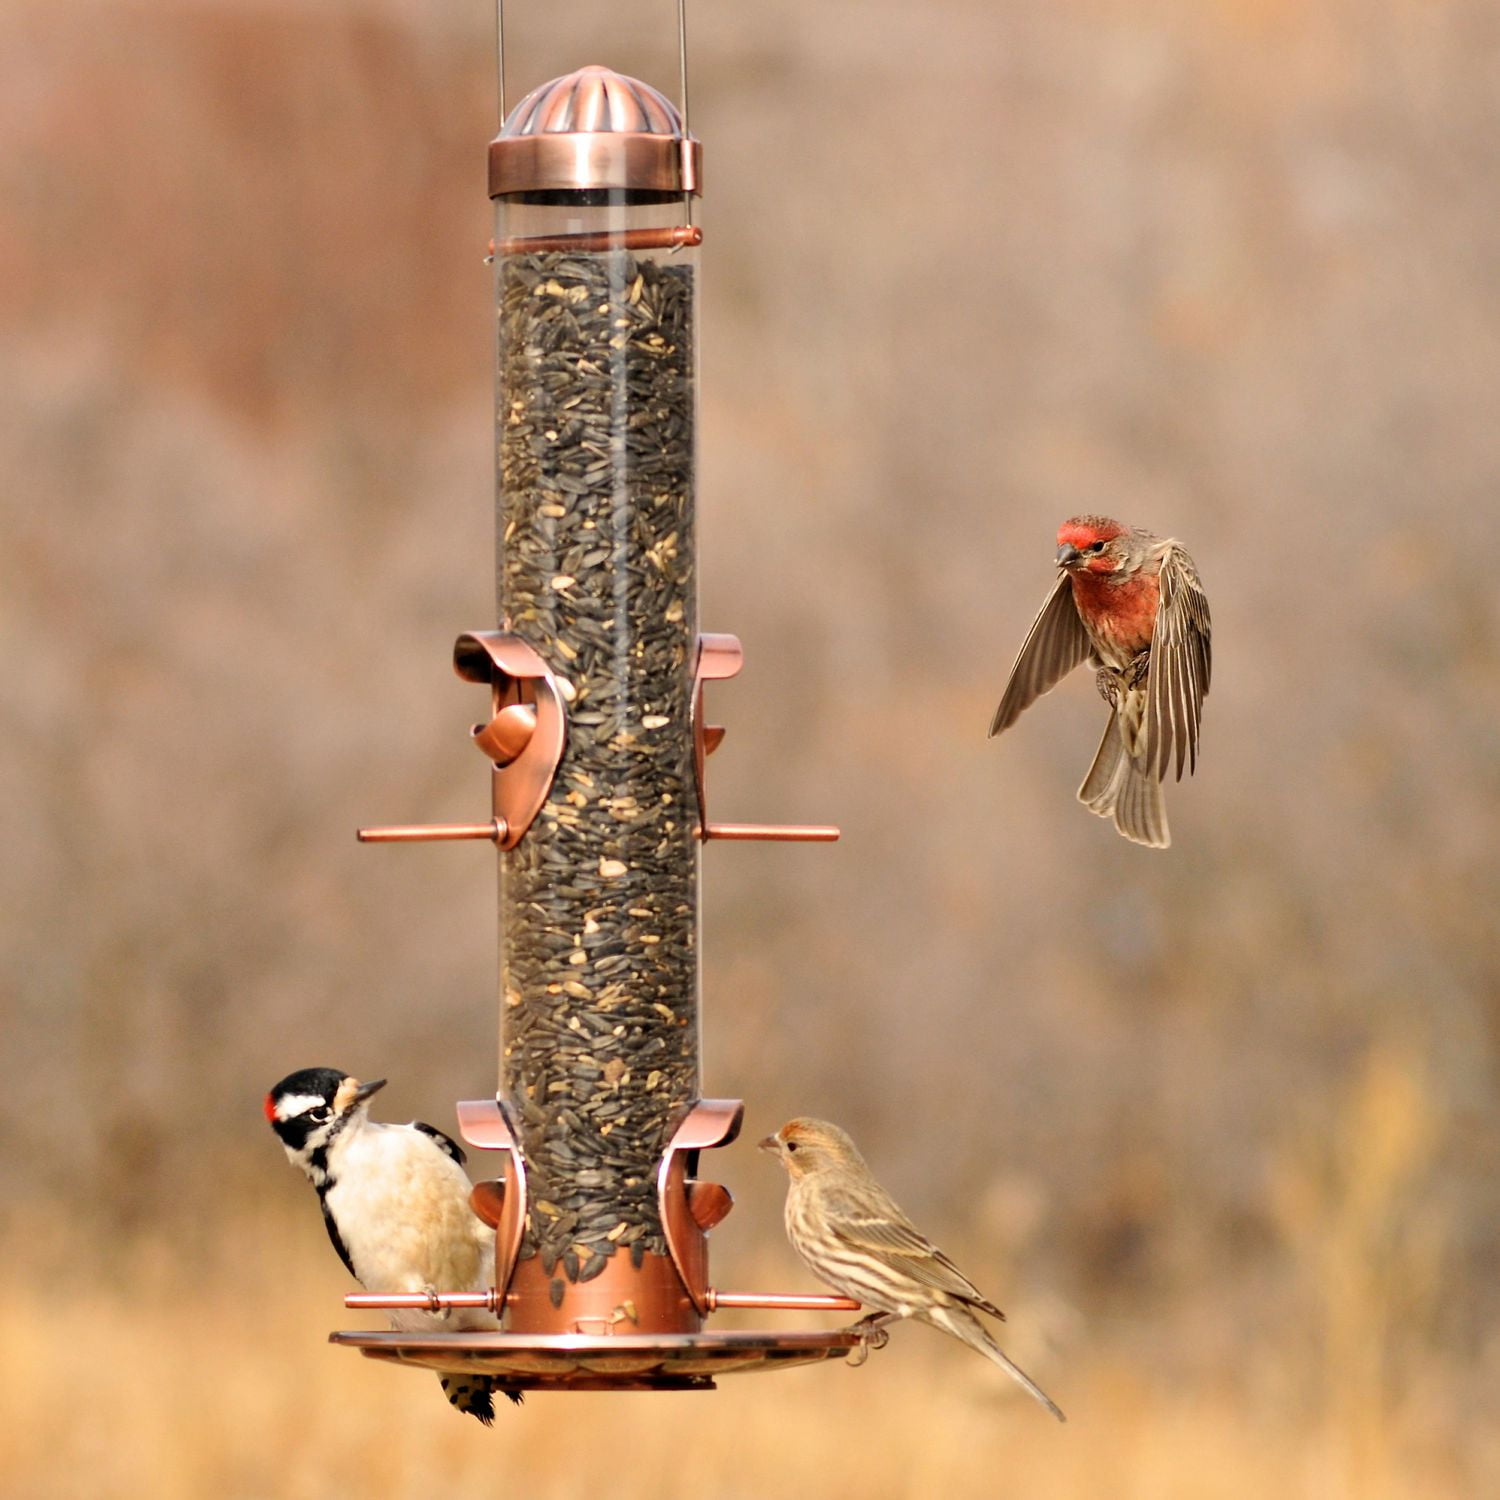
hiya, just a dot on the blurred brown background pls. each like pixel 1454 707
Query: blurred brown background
pixel 1218 1126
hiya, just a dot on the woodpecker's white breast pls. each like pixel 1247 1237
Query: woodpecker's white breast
pixel 401 1205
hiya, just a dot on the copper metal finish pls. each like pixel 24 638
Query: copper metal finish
pixel 721 657
pixel 488 1201
pixel 419 833
pixel 614 1362
pixel 433 1302
pixel 507 734
pixel 790 833
pixel 502 1205
pixel 680 238
pixel 622 1298
pixel 708 1203
pixel 527 729
pixel 653 1295
pixel 795 1301
pixel 491 1300
pixel 711 1122
pixel 524 740
pixel 594 129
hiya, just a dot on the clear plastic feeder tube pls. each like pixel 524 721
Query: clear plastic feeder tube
pixel 596 286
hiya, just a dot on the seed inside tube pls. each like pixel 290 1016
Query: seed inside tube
pixel 599 899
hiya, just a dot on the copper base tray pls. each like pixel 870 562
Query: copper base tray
pixel 586 1362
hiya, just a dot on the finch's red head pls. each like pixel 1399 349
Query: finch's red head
pixel 1091 544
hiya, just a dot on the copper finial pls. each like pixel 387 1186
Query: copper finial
pixel 595 129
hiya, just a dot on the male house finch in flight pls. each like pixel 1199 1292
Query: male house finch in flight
pixel 855 1239
pixel 1131 603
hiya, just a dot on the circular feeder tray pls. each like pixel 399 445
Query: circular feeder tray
pixel 585 1362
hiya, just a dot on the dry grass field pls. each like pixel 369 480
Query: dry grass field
pixel 1220 1128
pixel 174 1375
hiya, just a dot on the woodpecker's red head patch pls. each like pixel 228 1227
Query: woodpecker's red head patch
pixel 270 1108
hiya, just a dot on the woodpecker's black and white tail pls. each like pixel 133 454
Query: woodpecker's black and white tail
pixel 474 1395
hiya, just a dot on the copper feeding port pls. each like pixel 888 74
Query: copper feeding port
pixel 719 658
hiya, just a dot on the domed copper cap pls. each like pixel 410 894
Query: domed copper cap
pixel 595 130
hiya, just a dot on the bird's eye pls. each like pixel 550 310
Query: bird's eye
pixel 791 1145
pixel 1096 547
pixel 320 1113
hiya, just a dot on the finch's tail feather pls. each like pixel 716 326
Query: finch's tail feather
pixel 474 1395
pixel 1100 787
pixel 962 1324
pixel 1118 787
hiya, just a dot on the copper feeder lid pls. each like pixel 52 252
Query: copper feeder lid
pixel 591 131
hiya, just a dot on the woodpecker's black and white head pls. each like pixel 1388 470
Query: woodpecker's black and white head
pixel 314 1112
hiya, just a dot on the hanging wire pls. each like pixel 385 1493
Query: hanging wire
pixel 500 56
pixel 682 60
pixel 687 197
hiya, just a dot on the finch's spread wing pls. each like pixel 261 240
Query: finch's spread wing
pixel 895 1242
pixel 1181 656
pixel 1056 643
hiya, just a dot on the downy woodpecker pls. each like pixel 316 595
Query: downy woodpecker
pixel 395 1199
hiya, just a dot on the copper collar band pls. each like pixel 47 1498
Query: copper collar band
pixel 559 161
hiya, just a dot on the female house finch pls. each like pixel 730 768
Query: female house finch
pixel 1132 604
pixel 855 1239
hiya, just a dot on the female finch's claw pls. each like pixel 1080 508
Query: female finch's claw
pixel 872 1335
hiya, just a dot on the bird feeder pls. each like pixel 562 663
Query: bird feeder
pixel 597 744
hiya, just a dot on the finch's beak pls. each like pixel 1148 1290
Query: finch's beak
pixel 365 1090
pixel 771 1143
pixel 1067 555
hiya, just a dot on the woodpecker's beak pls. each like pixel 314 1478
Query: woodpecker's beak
pixel 771 1143
pixel 1067 555
pixel 365 1090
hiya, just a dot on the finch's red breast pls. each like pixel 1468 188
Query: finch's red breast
pixel 1117 612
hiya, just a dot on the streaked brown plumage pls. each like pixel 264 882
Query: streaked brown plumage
pixel 855 1239
pixel 1132 604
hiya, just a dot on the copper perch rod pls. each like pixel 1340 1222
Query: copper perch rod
pixel 426 1301
pixel 490 1300
pixel 605 239
pixel 414 833
pixel 796 1301
pixel 768 832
